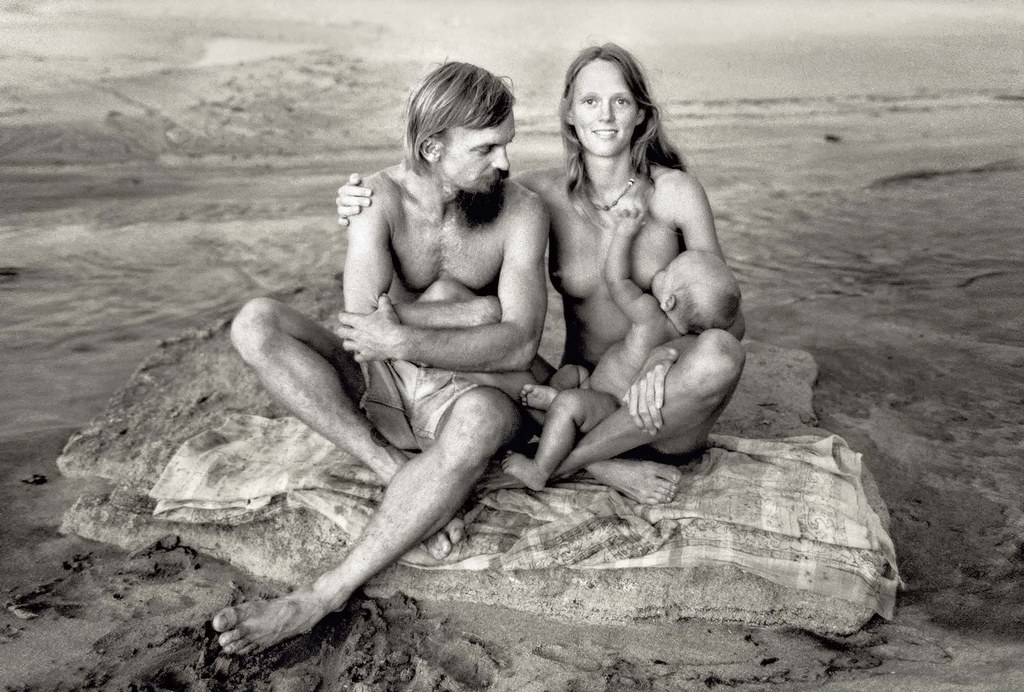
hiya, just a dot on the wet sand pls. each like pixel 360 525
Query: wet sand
pixel 864 163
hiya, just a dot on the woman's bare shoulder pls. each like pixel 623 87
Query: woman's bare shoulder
pixel 677 195
pixel 675 182
pixel 543 181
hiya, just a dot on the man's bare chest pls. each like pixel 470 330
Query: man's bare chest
pixel 423 254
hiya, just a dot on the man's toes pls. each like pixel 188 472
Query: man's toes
pixel 438 546
pixel 236 644
pixel 248 649
pixel 456 530
pixel 225 620
pixel 236 647
pixel 230 638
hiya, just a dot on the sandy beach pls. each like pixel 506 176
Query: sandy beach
pixel 160 163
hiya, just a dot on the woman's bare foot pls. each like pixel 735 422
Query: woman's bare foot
pixel 253 626
pixel 440 545
pixel 526 470
pixel 538 396
pixel 647 482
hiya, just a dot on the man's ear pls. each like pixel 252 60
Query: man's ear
pixel 431 149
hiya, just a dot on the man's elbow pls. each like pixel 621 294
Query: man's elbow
pixel 490 310
pixel 524 349
pixel 522 359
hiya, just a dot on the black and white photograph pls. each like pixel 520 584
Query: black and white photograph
pixel 457 345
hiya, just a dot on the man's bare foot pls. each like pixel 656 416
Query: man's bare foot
pixel 253 626
pixel 526 470
pixel 441 543
pixel 538 396
pixel 647 482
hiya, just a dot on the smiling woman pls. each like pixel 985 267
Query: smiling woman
pixel 604 101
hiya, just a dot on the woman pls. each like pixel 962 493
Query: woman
pixel 616 153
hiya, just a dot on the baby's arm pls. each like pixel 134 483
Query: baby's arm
pixel 638 306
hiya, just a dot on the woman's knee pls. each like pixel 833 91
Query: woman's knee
pixel 253 327
pixel 716 361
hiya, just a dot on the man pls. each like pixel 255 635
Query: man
pixel 393 385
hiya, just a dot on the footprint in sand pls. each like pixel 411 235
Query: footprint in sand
pixel 569 657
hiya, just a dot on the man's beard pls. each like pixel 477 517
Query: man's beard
pixel 483 207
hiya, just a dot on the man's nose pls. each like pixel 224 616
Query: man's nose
pixel 500 160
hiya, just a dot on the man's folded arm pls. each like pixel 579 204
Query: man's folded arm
pixel 472 312
pixel 511 343
pixel 368 266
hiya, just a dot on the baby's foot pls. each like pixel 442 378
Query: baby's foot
pixel 526 470
pixel 538 396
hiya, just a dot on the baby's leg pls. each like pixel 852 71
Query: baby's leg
pixel 571 410
pixel 512 382
pixel 539 397
pixel 570 377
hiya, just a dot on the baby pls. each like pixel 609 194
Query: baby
pixel 696 291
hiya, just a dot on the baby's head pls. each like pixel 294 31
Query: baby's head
pixel 697 291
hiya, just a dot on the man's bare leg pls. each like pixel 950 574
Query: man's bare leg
pixel 303 366
pixel 423 493
pixel 697 389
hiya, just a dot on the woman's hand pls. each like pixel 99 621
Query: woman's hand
pixel 352 198
pixel 646 394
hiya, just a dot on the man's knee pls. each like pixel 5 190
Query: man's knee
pixel 484 419
pixel 253 327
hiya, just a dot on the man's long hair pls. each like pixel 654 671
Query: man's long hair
pixel 649 144
pixel 456 94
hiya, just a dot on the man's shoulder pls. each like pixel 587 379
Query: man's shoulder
pixel 387 184
pixel 522 201
pixel 388 191
pixel 543 180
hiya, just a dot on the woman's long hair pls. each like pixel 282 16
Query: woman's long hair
pixel 649 144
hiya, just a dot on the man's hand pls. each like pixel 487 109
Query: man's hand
pixel 646 394
pixel 352 198
pixel 376 336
